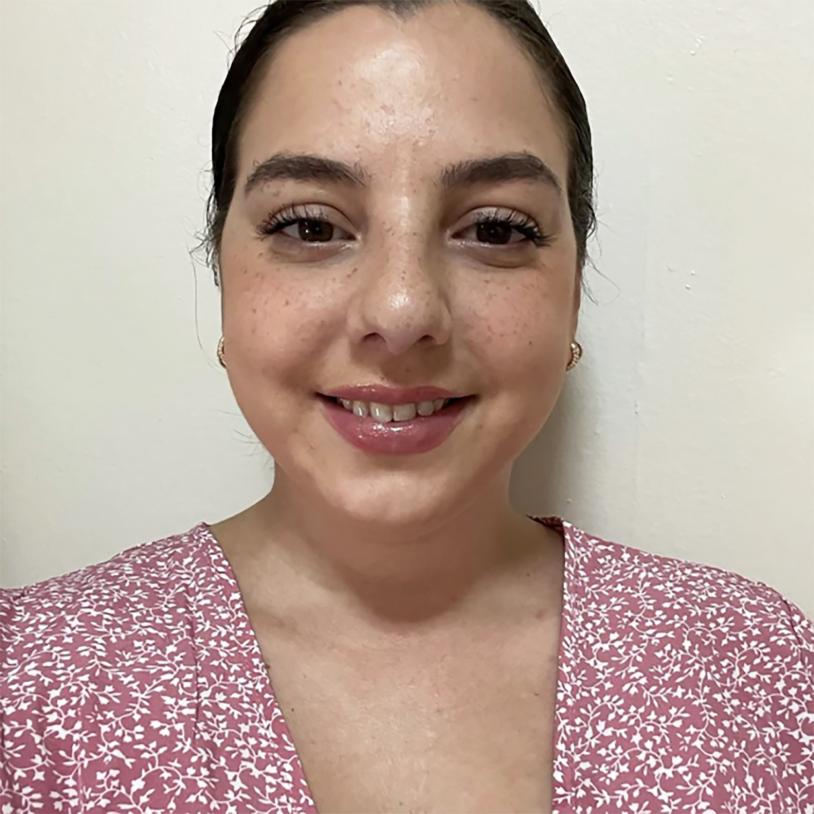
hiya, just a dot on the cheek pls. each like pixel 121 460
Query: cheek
pixel 529 358
pixel 523 344
pixel 527 364
pixel 262 316
pixel 523 325
pixel 273 339
pixel 267 333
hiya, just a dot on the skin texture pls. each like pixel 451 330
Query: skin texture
pixel 405 293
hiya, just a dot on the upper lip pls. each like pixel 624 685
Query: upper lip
pixel 392 395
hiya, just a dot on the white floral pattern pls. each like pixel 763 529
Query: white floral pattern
pixel 137 686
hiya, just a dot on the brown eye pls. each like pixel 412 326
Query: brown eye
pixel 310 226
pixel 496 229
pixel 311 231
pixel 494 232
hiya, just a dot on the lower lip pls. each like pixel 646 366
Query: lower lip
pixel 420 434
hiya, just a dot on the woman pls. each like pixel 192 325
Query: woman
pixel 402 198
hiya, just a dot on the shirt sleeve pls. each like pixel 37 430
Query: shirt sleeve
pixel 792 700
pixel 8 603
pixel 802 629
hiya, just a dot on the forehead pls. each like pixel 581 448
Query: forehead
pixel 402 96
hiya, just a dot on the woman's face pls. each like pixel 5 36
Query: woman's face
pixel 397 284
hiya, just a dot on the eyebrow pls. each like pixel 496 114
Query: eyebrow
pixel 522 166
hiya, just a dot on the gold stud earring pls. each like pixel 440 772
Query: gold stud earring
pixel 220 352
pixel 576 355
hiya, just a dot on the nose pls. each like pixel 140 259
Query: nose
pixel 401 294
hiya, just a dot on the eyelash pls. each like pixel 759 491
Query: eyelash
pixel 522 223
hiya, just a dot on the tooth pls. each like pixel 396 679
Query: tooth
pixel 390 412
pixel 404 412
pixel 381 412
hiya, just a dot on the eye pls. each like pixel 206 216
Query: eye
pixel 494 228
pixel 312 226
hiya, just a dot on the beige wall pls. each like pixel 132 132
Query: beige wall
pixel 687 428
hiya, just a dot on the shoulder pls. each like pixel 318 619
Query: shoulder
pixel 680 658
pixel 720 609
pixel 95 605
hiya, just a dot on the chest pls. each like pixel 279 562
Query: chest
pixel 468 726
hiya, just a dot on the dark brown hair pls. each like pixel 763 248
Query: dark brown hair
pixel 282 18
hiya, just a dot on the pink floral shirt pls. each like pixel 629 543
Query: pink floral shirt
pixel 138 685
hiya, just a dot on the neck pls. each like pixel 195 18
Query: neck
pixel 393 577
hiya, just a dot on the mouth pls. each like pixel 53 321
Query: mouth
pixel 447 402
pixel 385 430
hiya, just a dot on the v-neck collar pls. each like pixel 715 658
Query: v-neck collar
pixel 260 675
